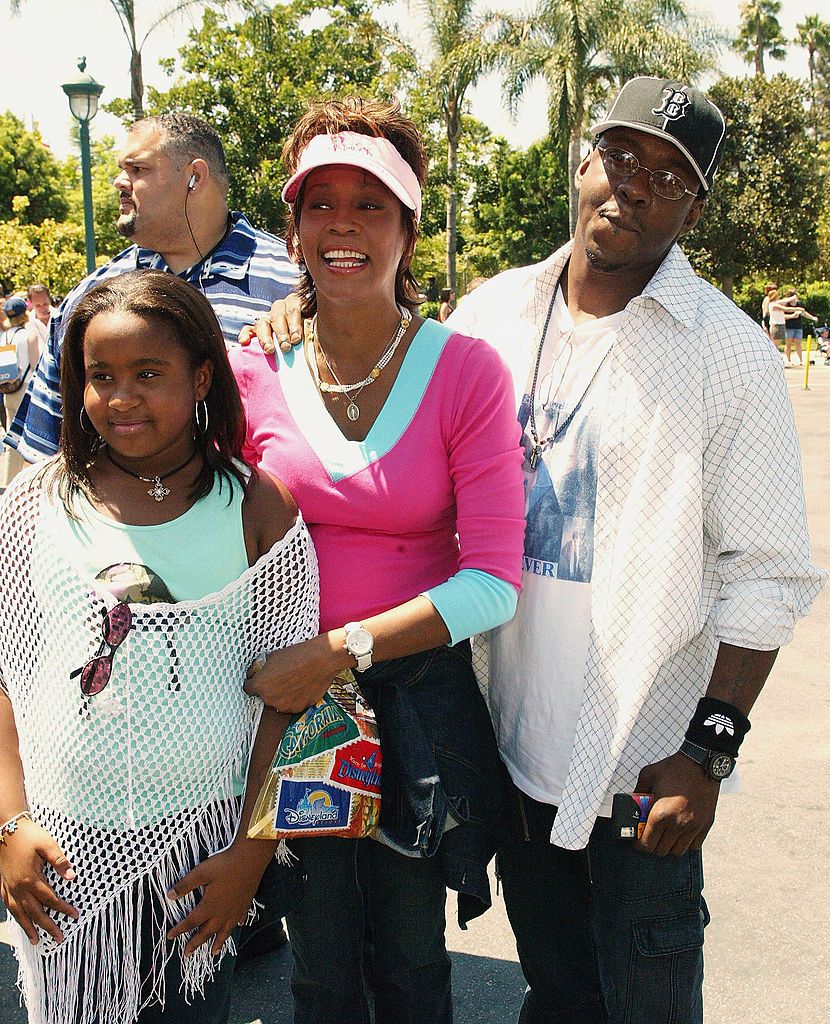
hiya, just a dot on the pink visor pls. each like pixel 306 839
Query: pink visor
pixel 373 154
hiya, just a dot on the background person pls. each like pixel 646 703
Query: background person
pixel 399 440
pixel 445 305
pixel 794 325
pixel 20 334
pixel 765 306
pixel 133 748
pixel 41 314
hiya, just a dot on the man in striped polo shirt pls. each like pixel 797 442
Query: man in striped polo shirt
pixel 173 187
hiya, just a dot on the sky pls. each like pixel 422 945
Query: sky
pixel 41 46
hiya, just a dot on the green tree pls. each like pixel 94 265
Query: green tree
pixel 760 33
pixel 520 214
pixel 761 215
pixel 49 252
pixel 583 48
pixel 814 36
pixel 252 80
pixel 104 161
pixel 27 168
pixel 464 45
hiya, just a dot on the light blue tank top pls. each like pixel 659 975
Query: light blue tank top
pixel 188 558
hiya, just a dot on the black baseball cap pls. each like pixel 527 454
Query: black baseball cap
pixel 678 113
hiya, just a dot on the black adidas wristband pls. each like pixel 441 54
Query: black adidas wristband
pixel 717 725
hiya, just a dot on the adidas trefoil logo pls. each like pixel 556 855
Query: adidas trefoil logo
pixel 720 723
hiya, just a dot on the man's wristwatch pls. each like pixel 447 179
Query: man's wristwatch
pixel 717 764
pixel 359 643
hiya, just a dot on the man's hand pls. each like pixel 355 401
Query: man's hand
pixel 22 885
pixel 230 881
pixel 684 805
pixel 283 324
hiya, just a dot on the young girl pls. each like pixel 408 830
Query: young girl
pixel 142 571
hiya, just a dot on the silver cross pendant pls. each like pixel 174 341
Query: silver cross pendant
pixel 158 490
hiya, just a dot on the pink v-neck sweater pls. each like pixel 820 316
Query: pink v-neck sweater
pixel 421 498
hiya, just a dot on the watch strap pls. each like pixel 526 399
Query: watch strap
pixel 364 661
pixel 707 760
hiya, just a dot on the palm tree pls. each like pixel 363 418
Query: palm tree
pixel 465 48
pixel 583 48
pixel 814 36
pixel 125 11
pixel 760 33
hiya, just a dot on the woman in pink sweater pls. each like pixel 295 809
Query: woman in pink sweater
pixel 399 441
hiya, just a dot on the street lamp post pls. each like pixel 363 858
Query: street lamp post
pixel 83 92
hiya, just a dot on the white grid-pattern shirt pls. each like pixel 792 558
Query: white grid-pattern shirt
pixel 700 534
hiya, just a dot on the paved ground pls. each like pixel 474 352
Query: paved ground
pixel 768 855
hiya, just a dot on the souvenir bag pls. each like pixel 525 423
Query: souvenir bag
pixel 325 776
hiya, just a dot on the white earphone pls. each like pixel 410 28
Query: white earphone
pixel 192 183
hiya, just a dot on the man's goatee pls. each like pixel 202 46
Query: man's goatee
pixel 125 225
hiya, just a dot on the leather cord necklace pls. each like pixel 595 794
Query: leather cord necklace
pixel 540 445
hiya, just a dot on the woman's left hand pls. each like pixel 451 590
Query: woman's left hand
pixel 229 884
pixel 294 678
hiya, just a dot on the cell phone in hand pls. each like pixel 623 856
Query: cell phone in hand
pixel 629 812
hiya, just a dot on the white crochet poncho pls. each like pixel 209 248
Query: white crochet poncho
pixel 136 782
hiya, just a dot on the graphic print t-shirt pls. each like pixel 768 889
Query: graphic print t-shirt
pixel 537 686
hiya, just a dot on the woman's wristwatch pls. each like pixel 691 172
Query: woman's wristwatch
pixel 359 643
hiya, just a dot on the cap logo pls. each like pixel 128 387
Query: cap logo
pixel 351 142
pixel 674 104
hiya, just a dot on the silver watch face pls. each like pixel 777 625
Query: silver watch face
pixel 721 765
pixel 359 642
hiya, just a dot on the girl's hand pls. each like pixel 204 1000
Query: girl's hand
pixel 22 885
pixel 294 678
pixel 230 881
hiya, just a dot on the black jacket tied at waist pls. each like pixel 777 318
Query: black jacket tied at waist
pixel 443 785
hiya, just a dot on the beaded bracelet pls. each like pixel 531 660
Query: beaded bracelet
pixel 9 827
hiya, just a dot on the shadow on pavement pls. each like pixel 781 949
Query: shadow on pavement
pixel 487 991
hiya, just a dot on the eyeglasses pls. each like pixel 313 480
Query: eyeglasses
pixel 625 165
pixel 97 672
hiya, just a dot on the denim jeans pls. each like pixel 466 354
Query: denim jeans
pixel 405 903
pixel 606 935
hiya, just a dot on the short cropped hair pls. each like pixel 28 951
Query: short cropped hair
pixel 38 289
pixel 186 138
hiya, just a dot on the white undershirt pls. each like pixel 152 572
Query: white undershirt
pixel 536 689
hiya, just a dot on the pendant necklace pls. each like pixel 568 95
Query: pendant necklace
pixel 539 445
pixel 158 491
pixel 338 388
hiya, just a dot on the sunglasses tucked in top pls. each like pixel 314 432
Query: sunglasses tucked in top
pixel 97 672
pixel 620 164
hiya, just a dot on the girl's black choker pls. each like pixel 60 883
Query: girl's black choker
pixel 158 491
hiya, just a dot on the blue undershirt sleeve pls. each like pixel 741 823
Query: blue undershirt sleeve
pixel 473 601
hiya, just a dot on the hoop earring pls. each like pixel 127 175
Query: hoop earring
pixel 199 428
pixel 91 429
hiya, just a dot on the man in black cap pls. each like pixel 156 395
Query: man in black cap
pixel 658 429
pixel 666 561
